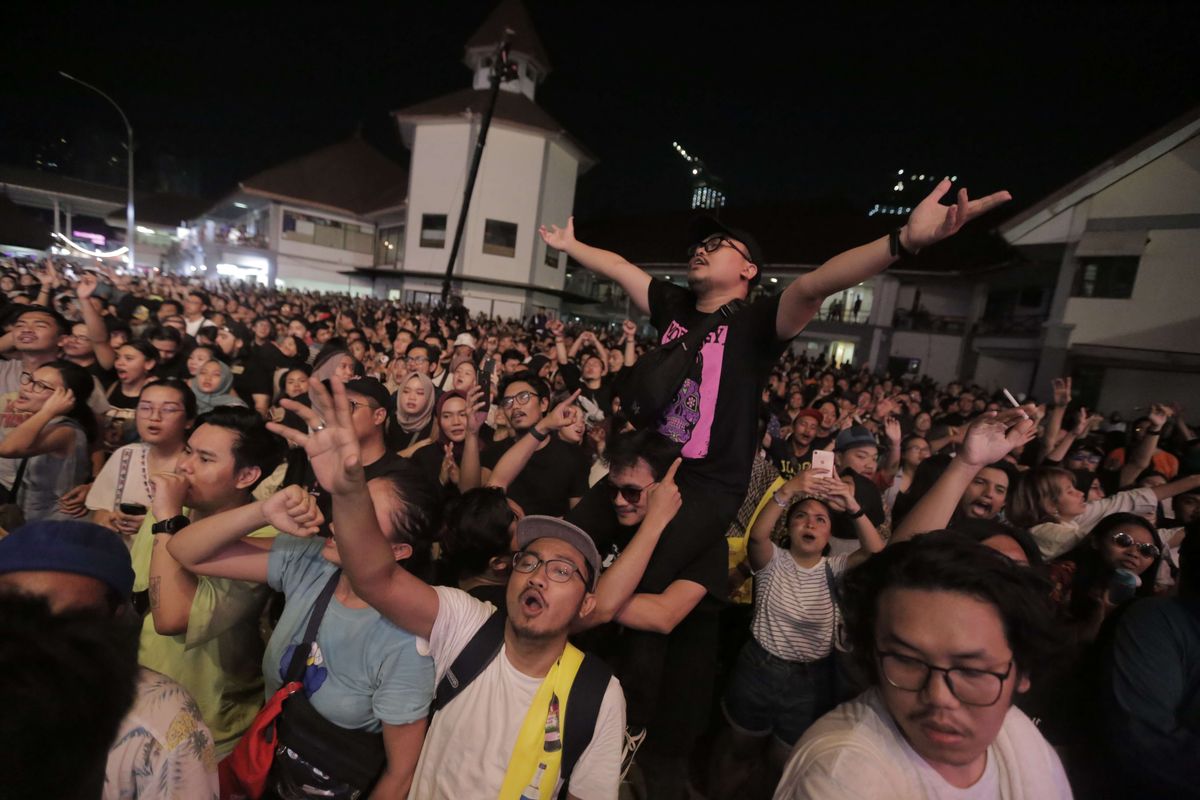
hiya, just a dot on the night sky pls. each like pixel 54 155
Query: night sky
pixel 784 101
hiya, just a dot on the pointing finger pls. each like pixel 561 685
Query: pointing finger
pixel 670 476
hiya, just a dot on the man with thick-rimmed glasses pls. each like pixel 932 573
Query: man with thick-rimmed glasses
pixel 950 632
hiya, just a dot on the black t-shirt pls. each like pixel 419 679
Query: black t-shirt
pixel 251 377
pixel 715 419
pixel 300 472
pixel 554 474
pixel 784 457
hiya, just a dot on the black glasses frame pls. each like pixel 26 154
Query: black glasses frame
pixel 949 673
pixel 532 567
pixel 714 243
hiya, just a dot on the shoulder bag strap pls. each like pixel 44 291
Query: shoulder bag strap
pixel 583 708
pixel 474 658
pixel 16 487
pixel 300 654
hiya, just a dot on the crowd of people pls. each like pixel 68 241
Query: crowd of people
pixel 238 519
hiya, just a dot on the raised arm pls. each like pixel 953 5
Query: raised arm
pixel 333 452
pixel 517 457
pixel 840 496
pixel 1139 458
pixel 989 438
pixel 759 545
pixel 619 581
pixel 629 328
pixel 632 279
pixel 555 326
pixel 96 330
pixel 215 546
pixel 930 222
pixel 470 471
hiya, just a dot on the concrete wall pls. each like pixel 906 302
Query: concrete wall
pixel 940 299
pixel 1168 185
pixel 437 176
pixel 301 273
pixel 1005 373
pixel 1125 389
pixel 939 353
pixel 1162 314
pixel 557 204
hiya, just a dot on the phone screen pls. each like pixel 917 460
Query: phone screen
pixel 822 461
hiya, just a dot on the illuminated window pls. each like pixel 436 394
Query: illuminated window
pixel 552 257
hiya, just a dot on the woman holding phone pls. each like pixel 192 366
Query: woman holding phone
pixel 121 494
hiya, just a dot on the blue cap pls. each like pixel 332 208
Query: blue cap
pixel 81 548
pixel 852 437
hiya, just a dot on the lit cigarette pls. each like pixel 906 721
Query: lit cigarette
pixel 1014 402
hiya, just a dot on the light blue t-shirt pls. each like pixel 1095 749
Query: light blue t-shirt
pixel 364 670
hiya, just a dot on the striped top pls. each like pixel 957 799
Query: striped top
pixel 794 614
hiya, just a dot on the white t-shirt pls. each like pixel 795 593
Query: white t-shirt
pixel 192 328
pixel 470 741
pixel 856 751
pixel 125 478
pixel 794 613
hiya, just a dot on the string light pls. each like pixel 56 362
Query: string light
pixel 120 251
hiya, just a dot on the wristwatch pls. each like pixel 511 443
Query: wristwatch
pixel 896 247
pixel 171 526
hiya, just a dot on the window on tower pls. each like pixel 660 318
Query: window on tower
pixel 500 238
pixel 552 256
pixel 433 230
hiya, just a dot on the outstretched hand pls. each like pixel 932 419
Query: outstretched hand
pixel 293 510
pixel 994 435
pixel 331 444
pixel 559 238
pixel 563 414
pixel 930 221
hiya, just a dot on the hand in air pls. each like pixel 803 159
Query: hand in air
pixel 331 444
pixel 664 499
pixel 992 436
pixel 930 221
pixel 559 238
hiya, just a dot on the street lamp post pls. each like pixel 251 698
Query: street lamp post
pixel 130 227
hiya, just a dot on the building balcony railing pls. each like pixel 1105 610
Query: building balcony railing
pixel 1022 325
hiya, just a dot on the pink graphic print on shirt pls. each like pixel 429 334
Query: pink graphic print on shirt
pixel 689 418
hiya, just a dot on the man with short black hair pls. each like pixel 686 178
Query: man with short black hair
pixel 949 632
pixel 794 454
pixel 551 479
pixel 203 632
pixel 195 308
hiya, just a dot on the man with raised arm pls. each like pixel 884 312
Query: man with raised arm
pixel 714 418
pixel 506 732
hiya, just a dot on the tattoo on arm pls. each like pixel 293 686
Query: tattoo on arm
pixel 155 592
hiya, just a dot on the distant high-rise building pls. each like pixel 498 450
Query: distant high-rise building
pixel 707 190
pixel 908 188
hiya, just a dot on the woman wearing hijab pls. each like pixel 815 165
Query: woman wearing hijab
pixel 414 414
pixel 213 386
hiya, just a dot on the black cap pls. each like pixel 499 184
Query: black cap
pixel 703 227
pixel 372 388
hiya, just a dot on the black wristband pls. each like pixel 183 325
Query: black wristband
pixel 896 247
pixel 861 512
pixel 536 434
pixel 171 526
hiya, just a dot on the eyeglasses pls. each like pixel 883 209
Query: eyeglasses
pixel 40 386
pixel 355 405
pixel 630 494
pixel 416 359
pixel 164 409
pixel 973 687
pixel 1090 458
pixel 714 243
pixel 1124 541
pixel 557 569
pixel 520 399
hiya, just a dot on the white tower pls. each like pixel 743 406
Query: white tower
pixel 526 178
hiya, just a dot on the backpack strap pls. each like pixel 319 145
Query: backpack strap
pixel 300 655
pixel 583 707
pixel 474 658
